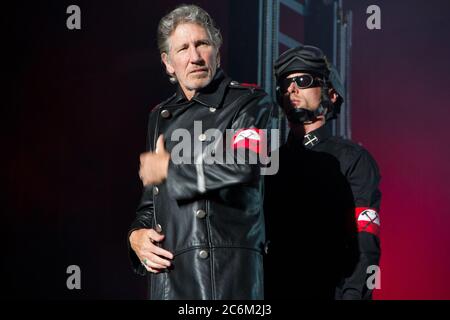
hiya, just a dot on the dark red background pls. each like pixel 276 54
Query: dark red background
pixel 401 112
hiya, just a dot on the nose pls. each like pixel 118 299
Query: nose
pixel 194 55
pixel 292 88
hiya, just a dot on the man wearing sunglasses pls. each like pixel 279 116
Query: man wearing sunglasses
pixel 323 203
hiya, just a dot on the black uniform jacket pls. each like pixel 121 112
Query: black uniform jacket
pixel 211 214
pixel 322 219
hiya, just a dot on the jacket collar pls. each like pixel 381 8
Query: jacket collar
pixel 210 96
pixel 313 138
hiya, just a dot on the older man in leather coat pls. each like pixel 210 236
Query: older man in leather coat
pixel 199 228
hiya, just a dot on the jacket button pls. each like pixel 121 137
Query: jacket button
pixel 203 254
pixel 212 109
pixel 155 190
pixel 158 228
pixel 200 213
pixel 165 114
pixel 202 137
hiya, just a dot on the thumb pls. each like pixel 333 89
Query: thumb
pixel 160 144
pixel 155 236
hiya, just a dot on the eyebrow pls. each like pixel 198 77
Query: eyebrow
pixel 203 41
pixel 200 41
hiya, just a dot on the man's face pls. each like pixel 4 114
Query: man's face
pixel 297 98
pixel 192 58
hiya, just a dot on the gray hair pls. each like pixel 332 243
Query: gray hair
pixel 187 14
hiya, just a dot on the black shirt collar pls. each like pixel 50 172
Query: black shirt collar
pixel 313 138
pixel 210 96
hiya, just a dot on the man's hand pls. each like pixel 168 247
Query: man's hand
pixel 154 165
pixel 153 258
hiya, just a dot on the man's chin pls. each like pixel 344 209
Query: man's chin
pixel 199 75
pixel 300 107
pixel 198 84
pixel 295 108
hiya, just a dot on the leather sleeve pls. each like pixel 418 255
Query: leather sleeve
pixel 187 181
pixel 363 176
pixel 144 211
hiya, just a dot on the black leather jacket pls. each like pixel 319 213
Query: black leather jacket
pixel 211 215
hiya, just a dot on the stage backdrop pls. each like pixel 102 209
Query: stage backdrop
pixel 400 112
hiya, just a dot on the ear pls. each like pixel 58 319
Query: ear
pixel 165 59
pixel 218 59
pixel 333 95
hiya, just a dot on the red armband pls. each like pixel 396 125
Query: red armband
pixel 251 139
pixel 367 220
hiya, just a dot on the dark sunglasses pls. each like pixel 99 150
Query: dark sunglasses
pixel 302 82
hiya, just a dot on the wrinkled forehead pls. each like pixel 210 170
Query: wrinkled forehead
pixel 186 32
